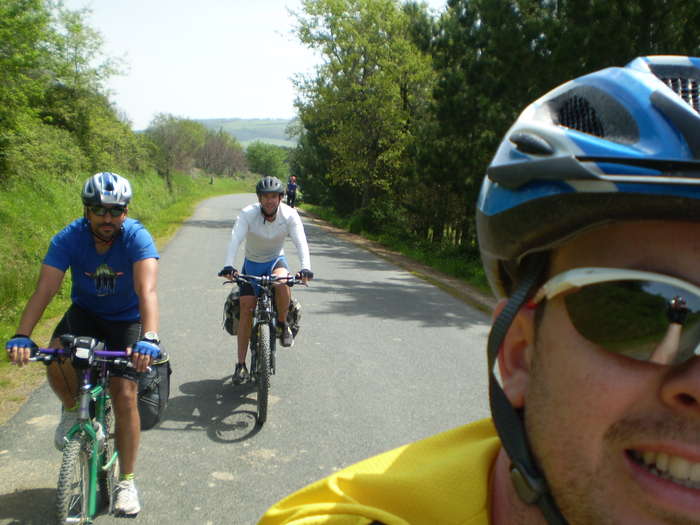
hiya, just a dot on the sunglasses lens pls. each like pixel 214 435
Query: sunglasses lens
pixel 643 320
pixel 101 211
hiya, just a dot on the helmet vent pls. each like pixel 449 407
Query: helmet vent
pixel 686 88
pixel 577 113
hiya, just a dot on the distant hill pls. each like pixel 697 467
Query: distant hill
pixel 271 131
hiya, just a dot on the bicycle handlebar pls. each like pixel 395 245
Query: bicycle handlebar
pixel 288 280
pixel 119 358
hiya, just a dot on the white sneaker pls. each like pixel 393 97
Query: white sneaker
pixel 68 419
pixel 287 338
pixel 126 499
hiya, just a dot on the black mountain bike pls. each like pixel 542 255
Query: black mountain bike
pixel 263 340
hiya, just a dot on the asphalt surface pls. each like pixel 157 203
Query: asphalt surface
pixel 383 358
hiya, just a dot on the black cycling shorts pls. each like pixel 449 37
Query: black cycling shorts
pixel 117 335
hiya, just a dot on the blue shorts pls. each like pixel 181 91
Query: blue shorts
pixel 264 268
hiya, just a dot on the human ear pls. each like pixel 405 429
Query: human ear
pixel 515 354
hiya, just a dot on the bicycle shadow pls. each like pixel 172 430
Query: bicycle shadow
pixel 227 412
pixel 28 507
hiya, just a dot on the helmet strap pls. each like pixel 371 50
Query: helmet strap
pixel 99 237
pixel 102 239
pixel 529 482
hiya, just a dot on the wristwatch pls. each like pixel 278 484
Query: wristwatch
pixel 151 337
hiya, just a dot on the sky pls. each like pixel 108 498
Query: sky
pixel 203 59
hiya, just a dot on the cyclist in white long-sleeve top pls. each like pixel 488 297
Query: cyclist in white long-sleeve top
pixel 264 226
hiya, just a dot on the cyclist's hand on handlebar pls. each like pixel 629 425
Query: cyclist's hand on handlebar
pixel 19 348
pixel 142 353
pixel 305 275
pixel 229 272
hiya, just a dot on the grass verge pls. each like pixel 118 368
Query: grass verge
pixel 446 259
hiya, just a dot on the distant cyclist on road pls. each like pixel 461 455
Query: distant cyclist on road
pixel 264 226
pixel 114 265
pixel 292 191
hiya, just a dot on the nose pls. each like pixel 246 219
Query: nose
pixel 680 390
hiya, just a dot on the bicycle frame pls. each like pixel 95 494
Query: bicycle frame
pixel 98 394
pixel 92 427
pixel 264 313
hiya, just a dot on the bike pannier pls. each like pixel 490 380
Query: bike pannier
pixel 232 312
pixel 154 391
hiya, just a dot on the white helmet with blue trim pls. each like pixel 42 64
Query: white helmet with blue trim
pixel 106 188
pixel 620 143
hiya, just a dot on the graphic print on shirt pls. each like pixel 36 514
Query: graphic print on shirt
pixel 105 280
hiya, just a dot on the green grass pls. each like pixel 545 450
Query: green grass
pixel 446 259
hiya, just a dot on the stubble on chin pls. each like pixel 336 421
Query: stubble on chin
pixel 588 493
pixel 578 487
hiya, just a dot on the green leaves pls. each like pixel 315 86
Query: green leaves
pixel 54 117
pixel 359 108
pixel 267 159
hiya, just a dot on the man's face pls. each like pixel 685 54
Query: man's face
pixel 591 414
pixel 103 221
pixel 270 202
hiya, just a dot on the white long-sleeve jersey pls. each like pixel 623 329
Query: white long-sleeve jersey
pixel 264 240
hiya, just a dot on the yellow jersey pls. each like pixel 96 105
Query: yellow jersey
pixel 443 479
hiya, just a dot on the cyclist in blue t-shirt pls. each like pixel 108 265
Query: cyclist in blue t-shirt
pixel 114 263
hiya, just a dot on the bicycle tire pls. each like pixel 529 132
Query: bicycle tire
pixel 107 479
pixel 262 378
pixel 73 483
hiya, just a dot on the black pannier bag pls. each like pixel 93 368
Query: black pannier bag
pixel 232 312
pixel 154 391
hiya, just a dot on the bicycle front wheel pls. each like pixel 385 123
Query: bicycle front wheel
pixel 262 375
pixel 73 483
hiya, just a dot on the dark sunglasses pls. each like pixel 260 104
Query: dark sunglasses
pixel 101 211
pixel 642 315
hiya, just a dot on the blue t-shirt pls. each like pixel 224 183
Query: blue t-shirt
pixel 292 187
pixel 102 283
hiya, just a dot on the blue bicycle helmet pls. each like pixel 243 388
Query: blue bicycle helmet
pixel 622 143
pixel 106 188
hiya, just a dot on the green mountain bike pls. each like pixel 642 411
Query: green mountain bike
pixel 89 468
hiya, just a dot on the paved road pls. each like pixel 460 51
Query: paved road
pixel 382 358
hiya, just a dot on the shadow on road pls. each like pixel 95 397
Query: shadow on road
pixel 203 223
pixel 227 412
pixel 28 507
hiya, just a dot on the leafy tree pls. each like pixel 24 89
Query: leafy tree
pixel 221 154
pixel 52 98
pixel 267 159
pixel 175 143
pixel 359 109
pixel 24 25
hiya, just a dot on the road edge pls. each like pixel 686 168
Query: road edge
pixel 455 287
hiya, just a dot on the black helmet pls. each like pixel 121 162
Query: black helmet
pixel 106 188
pixel 269 185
